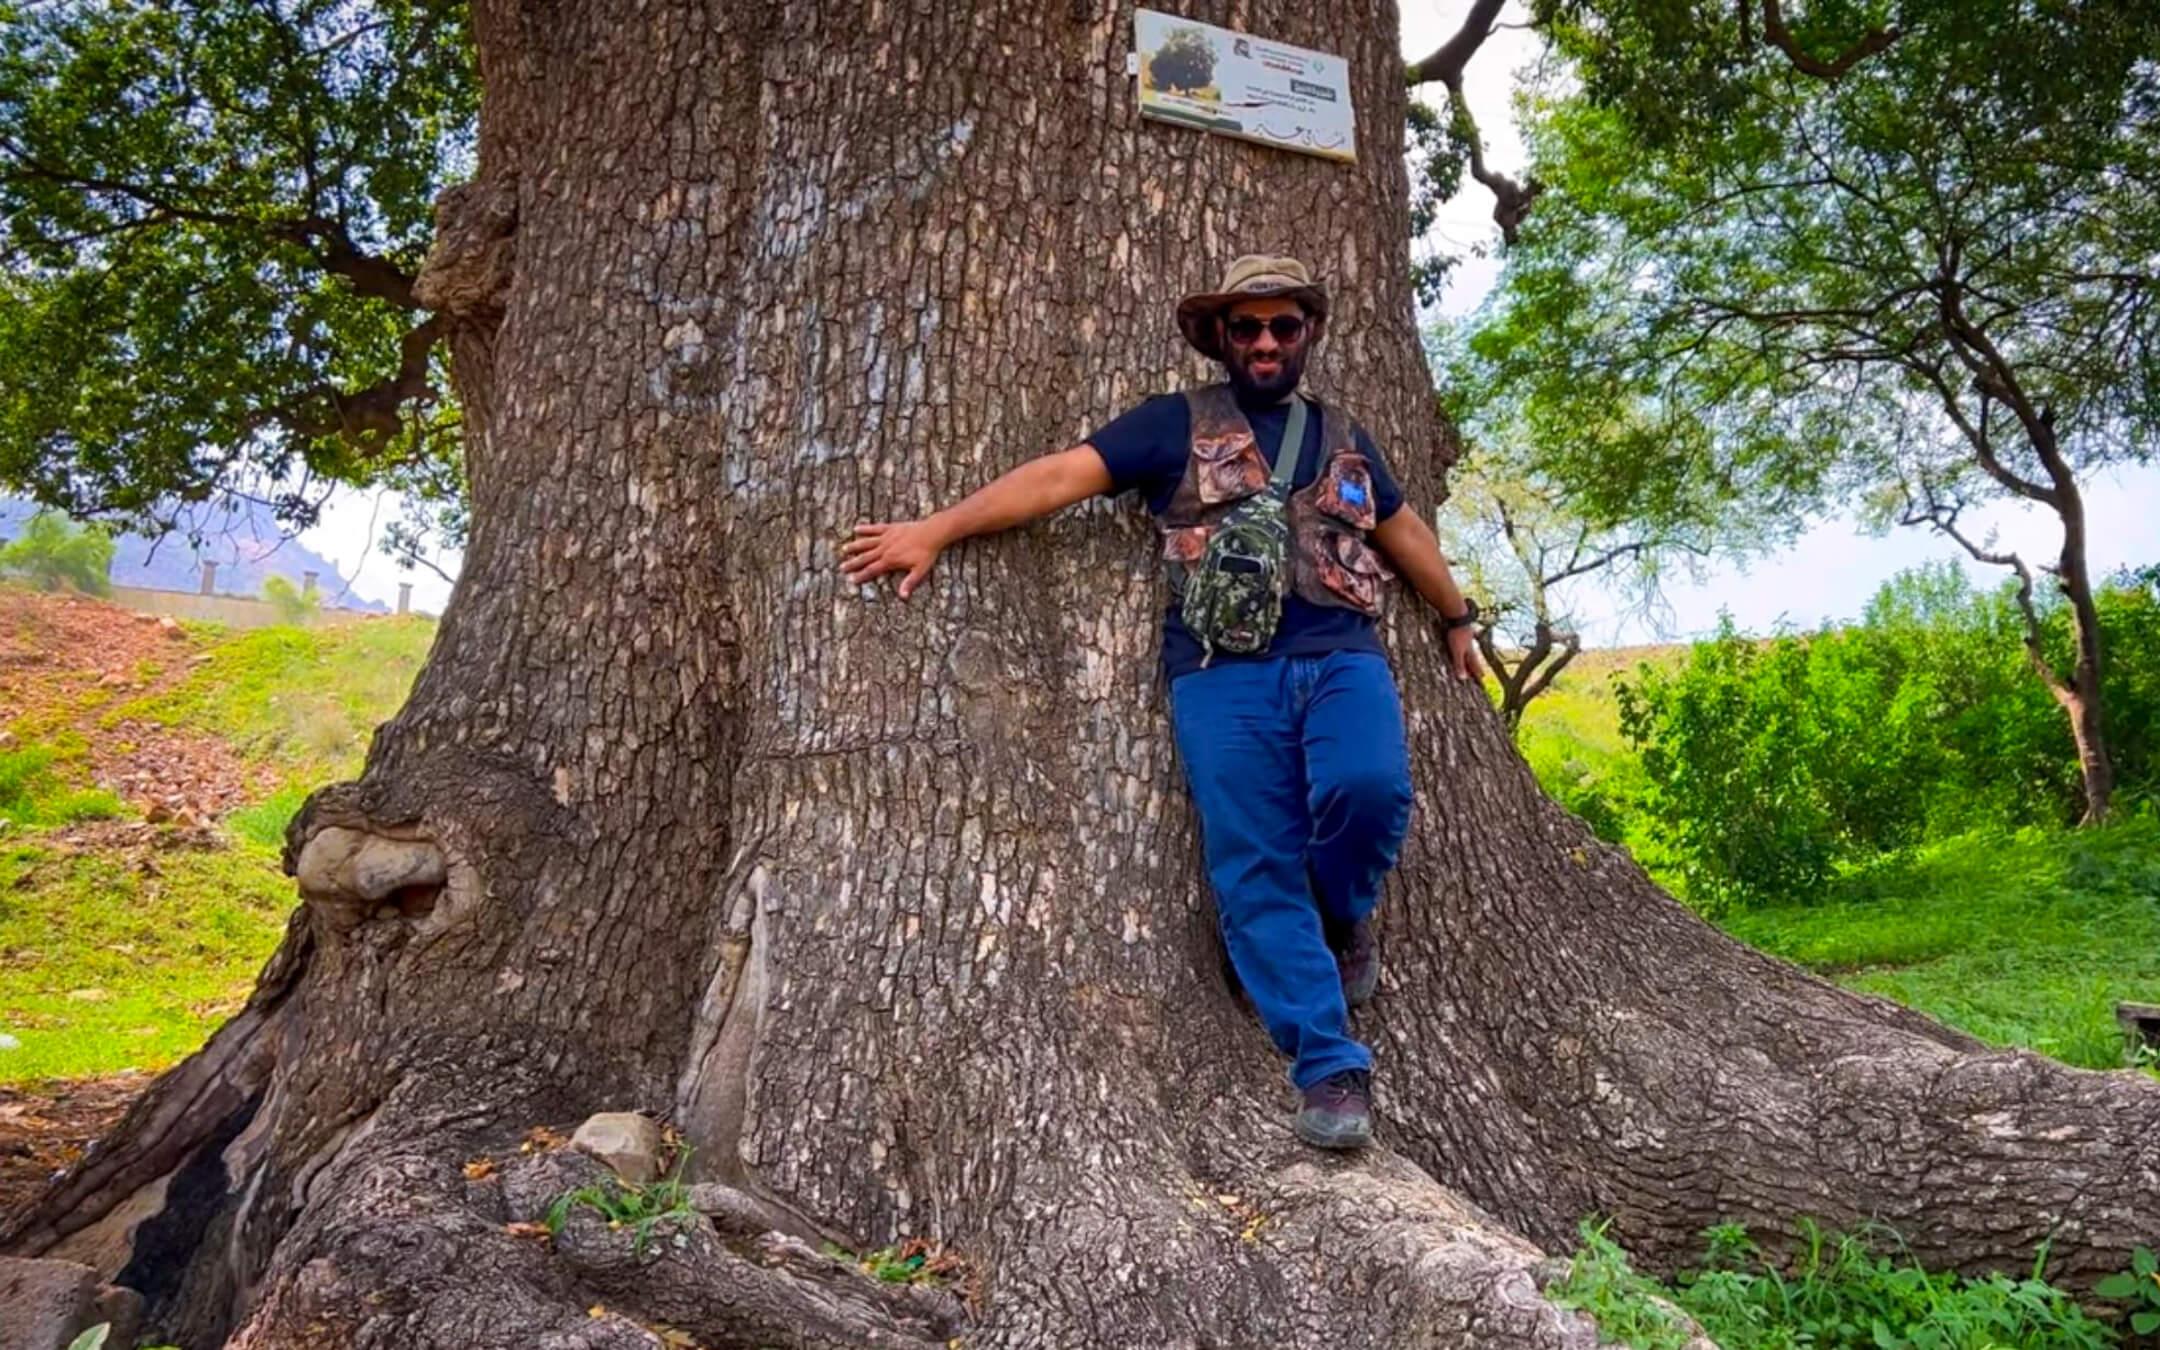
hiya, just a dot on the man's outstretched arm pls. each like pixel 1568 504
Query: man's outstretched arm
pixel 1035 489
pixel 1409 543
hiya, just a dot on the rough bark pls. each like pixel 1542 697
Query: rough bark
pixel 895 910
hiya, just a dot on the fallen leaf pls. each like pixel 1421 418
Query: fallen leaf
pixel 479 1169
pixel 527 1230
pixel 597 1310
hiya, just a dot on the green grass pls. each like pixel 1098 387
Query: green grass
pixel 37 788
pixel 111 962
pixel 302 699
pixel 1850 1290
pixel 2020 939
pixel 130 957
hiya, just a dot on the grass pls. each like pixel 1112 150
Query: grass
pixel 2022 939
pixel 128 957
pixel 305 700
pixel 1850 1290
pixel 79 931
pixel 36 788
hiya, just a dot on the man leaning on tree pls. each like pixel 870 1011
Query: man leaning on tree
pixel 1280 521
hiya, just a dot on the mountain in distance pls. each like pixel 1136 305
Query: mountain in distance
pixel 241 537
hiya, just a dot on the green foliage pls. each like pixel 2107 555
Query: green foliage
pixel 1837 1291
pixel 1771 764
pixel 55 553
pixel 912 1261
pixel 2138 1286
pixel 213 215
pixel 293 605
pixel 1185 62
pixel 641 1209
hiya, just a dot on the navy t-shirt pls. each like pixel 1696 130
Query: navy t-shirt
pixel 1145 450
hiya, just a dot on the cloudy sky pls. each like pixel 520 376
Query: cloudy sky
pixel 1827 574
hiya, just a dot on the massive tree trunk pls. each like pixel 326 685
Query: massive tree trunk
pixel 895 910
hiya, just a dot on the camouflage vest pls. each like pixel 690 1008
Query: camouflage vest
pixel 1330 560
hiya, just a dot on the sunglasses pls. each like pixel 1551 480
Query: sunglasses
pixel 1245 331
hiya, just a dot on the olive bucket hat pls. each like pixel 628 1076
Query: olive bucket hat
pixel 1252 277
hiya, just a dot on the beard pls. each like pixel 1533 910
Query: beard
pixel 1271 388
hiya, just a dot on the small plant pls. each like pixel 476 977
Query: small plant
pixel 1628 1307
pixel 2139 1286
pixel 1838 1290
pixel 641 1209
pixel 909 1261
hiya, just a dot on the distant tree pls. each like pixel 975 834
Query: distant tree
pixel 1186 61
pixel 293 605
pixel 1911 284
pixel 1525 556
pixel 55 554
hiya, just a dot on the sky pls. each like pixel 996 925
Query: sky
pixel 1827 574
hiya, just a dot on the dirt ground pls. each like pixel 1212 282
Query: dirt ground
pixel 67 661
pixel 47 1126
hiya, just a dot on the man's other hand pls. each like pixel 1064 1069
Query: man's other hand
pixel 907 546
pixel 1462 653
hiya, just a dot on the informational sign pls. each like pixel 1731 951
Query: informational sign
pixel 1198 75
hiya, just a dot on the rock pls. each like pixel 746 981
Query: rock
pixel 625 1141
pixel 171 625
pixel 122 1309
pixel 8 1042
pixel 48 1303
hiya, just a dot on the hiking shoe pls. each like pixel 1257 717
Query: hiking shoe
pixel 1338 1111
pixel 1357 959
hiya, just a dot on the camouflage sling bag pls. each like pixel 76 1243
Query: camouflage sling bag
pixel 1234 592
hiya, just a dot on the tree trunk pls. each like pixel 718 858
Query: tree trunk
pixel 2080 694
pixel 895 910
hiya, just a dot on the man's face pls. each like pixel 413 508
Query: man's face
pixel 1261 359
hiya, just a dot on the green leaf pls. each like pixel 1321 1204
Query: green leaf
pixel 2122 1284
pixel 2143 1261
pixel 2145 1323
pixel 93 1339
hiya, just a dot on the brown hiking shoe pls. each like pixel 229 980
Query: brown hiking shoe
pixel 1338 1111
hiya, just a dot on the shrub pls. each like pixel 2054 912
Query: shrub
pixel 1769 765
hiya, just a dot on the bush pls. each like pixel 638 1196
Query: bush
pixel 1772 764
pixel 55 554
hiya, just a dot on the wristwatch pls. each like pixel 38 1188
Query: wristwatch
pixel 1462 620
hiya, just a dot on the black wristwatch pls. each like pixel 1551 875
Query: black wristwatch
pixel 1462 620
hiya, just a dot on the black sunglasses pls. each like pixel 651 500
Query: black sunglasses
pixel 1245 331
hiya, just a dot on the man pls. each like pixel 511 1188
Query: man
pixel 1286 714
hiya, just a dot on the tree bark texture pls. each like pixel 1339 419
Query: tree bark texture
pixel 895 909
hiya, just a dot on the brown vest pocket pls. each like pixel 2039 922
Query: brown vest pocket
pixel 1227 468
pixel 1350 570
pixel 1345 491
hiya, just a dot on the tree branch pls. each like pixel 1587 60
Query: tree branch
pixel 1781 37
pixel 1453 56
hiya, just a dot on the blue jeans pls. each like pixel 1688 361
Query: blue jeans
pixel 1301 776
